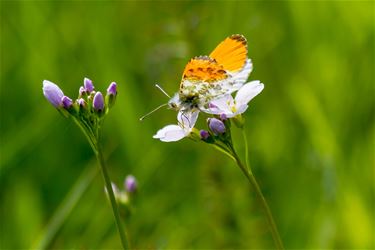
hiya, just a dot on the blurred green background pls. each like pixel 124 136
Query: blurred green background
pixel 311 131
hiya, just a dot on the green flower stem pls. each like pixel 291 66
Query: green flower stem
pixel 224 150
pixel 251 178
pixel 93 138
pixel 85 128
pixel 246 149
pixel 108 184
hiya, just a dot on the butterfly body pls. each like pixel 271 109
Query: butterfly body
pixel 205 78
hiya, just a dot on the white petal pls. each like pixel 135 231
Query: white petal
pixel 210 109
pixel 248 92
pixel 187 119
pixel 193 118
pixel 170 133
pixel 174 135
pixel 161 132
pixel 213 111
pixel 241 109
pixel 223 104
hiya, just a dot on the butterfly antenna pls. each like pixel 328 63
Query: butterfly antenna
pixel 162 90
pixel 152 111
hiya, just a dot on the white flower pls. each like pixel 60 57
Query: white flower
pixel 232 107
pixel 186 122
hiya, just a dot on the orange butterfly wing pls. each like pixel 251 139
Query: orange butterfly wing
pixel 203 68
pixel 231 53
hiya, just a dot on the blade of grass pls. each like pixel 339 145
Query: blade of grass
pixel 65 208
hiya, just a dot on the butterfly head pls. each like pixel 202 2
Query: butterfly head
pixel 175 102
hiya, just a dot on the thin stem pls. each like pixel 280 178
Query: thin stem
pixel 88 133
pixel 111 195
pixel 251 178
pixel 246 149
pixel 93 138
pixel 223 150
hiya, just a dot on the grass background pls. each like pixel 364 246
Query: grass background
pixel 311 131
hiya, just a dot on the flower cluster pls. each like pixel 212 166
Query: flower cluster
pixel 224 110
pixel 88 109
pixel 88 98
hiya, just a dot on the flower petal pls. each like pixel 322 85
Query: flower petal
pixel 248 92
pixel 170 133
pixel 241 109
pixel 112 89
pixel 53 93
pixel 87 83
pixel 221 105
pixel 98 102
pixel 187 119
pixel 216 126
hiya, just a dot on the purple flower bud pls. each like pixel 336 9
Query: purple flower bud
pixel 98 102
pixel 130 184
pixel 223 117
pixel 81 102
pixel 82 91
pixel 216 126
pixel 66 101
pixel 87 83
pixel 53 93
pixel 204 134
pixel 112 89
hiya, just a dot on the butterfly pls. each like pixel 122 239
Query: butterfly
pixel 206 78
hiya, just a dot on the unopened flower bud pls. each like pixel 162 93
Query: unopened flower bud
pixel 223 117
pixel 82 91
pixel 216 126
pixel 67 102
pixel 204 134
pixel 53 93
pixel 112 89
pixel 130 184
pixel 81 102
pixel 87 83
pixel 111 94
pixel 98 102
